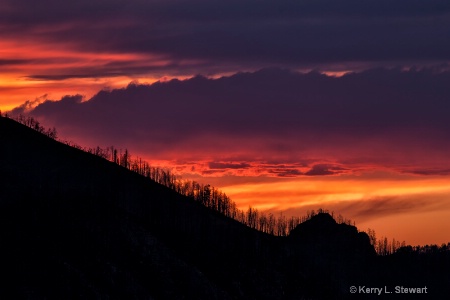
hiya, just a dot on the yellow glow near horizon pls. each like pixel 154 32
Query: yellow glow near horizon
pixel 345 188
pixel 415 228
pixel 36 71
pixel 387 204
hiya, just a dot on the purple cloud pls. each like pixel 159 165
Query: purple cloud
pixel 220 165
pixel 381 115
pixel 201 36
pixel 323 169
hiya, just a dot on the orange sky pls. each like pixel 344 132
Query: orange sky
pixel 406 207
pixel 34 71
pixel 397 205
pixel 377 182
pixel 410 208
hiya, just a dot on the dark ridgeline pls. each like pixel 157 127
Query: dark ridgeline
pixel 74 225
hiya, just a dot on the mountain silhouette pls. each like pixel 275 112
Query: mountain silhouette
pixel 76 226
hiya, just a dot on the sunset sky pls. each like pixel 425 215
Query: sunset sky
pixel 284 105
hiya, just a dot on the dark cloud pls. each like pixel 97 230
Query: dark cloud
pixel 25 107
pixel 62 107
pixel 271 115
pixel 212 172
pixel 9 62
pixel 285 172
pixel 220 165
pixel 70 76
pixel 324 169
pixel 245 34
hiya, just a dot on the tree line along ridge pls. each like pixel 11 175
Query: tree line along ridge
pixel 215 199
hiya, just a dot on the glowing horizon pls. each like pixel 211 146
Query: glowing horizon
pixel 294 108
pixel 368 198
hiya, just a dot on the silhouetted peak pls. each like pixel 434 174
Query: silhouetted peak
pixel 322 235
pixel 318 224
pixel 321 219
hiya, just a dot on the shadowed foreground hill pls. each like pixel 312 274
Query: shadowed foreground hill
pixel 74 225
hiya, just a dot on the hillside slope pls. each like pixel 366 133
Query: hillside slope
pixel 73 225
pixel 99 229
